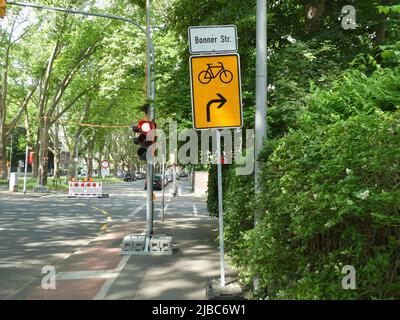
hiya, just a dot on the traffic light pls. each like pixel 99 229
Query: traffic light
pixel 3 4
pixel 144 127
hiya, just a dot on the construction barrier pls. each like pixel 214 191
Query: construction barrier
pixel 85 189
pixel 134 244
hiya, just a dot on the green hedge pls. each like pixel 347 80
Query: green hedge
pixel 212 187
pixel 330 197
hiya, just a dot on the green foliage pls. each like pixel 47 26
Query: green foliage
pixel 352 94
pixel 330 168
pixel 330 197
pixel 238 214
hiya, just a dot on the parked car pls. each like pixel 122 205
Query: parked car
pixel 165 180
pixel 169 178
pixel 157 183
pixel 140 175
pixel 129 177
pixel 183 175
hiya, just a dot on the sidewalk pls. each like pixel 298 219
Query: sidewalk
pixel 99 271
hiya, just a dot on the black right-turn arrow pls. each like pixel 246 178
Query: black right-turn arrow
pixel 221 102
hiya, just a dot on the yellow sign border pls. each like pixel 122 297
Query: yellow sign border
pixel 239 84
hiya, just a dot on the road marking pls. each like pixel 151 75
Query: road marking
pixel 80 275
pixel 104 226
pixel 165 210
pixel 195 212
pixel 110 281
pixel 11 229
pixel 136 211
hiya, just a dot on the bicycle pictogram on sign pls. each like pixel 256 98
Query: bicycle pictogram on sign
pixel 213 71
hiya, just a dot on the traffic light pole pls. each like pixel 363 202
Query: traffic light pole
pixel 150 88
pixel 150 116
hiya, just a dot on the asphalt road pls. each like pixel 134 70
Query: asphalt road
pixel 39 231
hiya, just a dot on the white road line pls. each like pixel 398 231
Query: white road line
pixel 78 275
pixel 136 211
pixel 160 210
pixel 195 212
pixel 110 281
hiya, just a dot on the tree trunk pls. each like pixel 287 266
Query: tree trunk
pixel 381 28
pixel 90 160
pixel 43 154
pixel 3 156
pixel 35 161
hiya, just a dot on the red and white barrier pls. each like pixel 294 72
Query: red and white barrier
pixel 85 189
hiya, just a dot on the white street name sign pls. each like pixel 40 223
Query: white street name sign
pixel 204 39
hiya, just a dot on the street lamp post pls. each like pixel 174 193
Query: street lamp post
pixel 150 52
pixel 11 151
pixel 26 166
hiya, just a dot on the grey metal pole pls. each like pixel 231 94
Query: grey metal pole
pixel 150 167
pixel 150 90
pixel 150 47
pixel 261 99
pixel 163 189
pixel 220 211
pixel 261 89
pixel 174 186
pixel 26 167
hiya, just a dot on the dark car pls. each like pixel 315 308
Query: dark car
pixel 129 177
pixel 157 183
pixel 183 175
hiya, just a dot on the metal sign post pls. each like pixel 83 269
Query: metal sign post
pixel 220 210
pixel 216 94
pixel 26 167
pixel 163 189
pixel 151 117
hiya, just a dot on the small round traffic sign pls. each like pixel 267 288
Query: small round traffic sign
pixel 105 164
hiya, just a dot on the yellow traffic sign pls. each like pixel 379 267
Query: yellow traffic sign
pixel 3 5
pixel 216 91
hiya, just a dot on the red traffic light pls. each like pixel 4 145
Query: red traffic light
pixel 145 126
pixel 144 140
